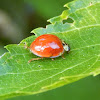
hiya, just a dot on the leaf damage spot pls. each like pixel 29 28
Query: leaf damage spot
pixel 91 3
pixel 69 20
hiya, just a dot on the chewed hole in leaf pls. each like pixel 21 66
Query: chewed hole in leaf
pixel 69 20
pixel 32 33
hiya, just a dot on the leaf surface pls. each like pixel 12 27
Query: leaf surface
pixel 18 77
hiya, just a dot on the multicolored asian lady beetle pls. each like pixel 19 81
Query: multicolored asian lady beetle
pixel 48 46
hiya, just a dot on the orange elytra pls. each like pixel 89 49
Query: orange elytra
pixel 48 46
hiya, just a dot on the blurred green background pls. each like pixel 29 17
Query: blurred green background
pixel 17 19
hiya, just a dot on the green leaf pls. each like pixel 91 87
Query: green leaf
pixel 18 77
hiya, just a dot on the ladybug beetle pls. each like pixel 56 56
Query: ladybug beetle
pixel 48 46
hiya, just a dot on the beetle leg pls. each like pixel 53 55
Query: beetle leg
pixel 52 59
pixel 63 56
pixel 34 59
